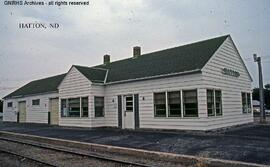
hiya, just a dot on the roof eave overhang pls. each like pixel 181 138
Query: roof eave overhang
pixel 22 96
pixel 155 77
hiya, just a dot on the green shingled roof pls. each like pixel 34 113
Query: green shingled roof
pixel 182 59
pixel 96 75
pixel 185 58
pixel 38 86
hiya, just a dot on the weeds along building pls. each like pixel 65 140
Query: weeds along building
pixel 199 86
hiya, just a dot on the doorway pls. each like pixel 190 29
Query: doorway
pixel 128 112
pixel 54 111
pixel 22 111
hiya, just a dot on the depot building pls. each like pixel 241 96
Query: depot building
pixel 200 86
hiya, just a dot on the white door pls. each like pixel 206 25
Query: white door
pixel 128 112
pixel 22 111
pixel 54 109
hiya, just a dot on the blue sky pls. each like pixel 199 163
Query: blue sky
pixel 114 27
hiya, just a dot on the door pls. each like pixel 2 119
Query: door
pixel 54 111
pixel 128 121
pixel 22 111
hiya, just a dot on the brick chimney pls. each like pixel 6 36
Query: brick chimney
pixel 136 51
pixel 106 59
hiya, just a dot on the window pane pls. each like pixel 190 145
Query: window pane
pixel 73 107
pixel 244 103
pixel 190 103
pixel 210 103
pixel 35 102
pixel 218 99
pixel 64 108
pixel 174 104
pixel 160 104
pixel 129 98
pixel 248 103
pixel 129 103
pixel 99 106
pixel 9 104
pixel 85 107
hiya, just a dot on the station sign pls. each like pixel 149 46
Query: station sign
pixel 230 72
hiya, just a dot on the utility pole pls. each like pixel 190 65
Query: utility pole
pixel 262 112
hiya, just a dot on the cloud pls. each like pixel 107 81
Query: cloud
pixel 114 27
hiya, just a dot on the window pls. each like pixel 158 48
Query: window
pixel 210 103
pixel 214 102
pixel 74 107
pixel 64 108
pixel 160 104
pixel 246 102
pixel 218 100
pixel 99 106
pixel 129 104
pixel 84 107
pixel 35 102
pixel 190 103
pixel 9 104
pixel 174 104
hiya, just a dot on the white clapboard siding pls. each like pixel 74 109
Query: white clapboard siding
pixel 10 113
pixel 228 57
pixel 75 84
pixel 34 114
pixel 146 89
pixel 97 90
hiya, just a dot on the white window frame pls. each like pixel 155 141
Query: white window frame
pixel 181 103
pixel 215 108
pixel 103 107
pixel 167 103
pixel 9 103
pixel 81 107
pixel 36 104
pixel 246 108
pixel 67 103
pixel 154 104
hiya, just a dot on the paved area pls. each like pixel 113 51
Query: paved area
pixel 250 143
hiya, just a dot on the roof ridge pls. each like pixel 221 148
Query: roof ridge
pixel 200 41
pixel 48 77
pixel 187 44
pixel 33 87
pixel 97 68
pixel 93 67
